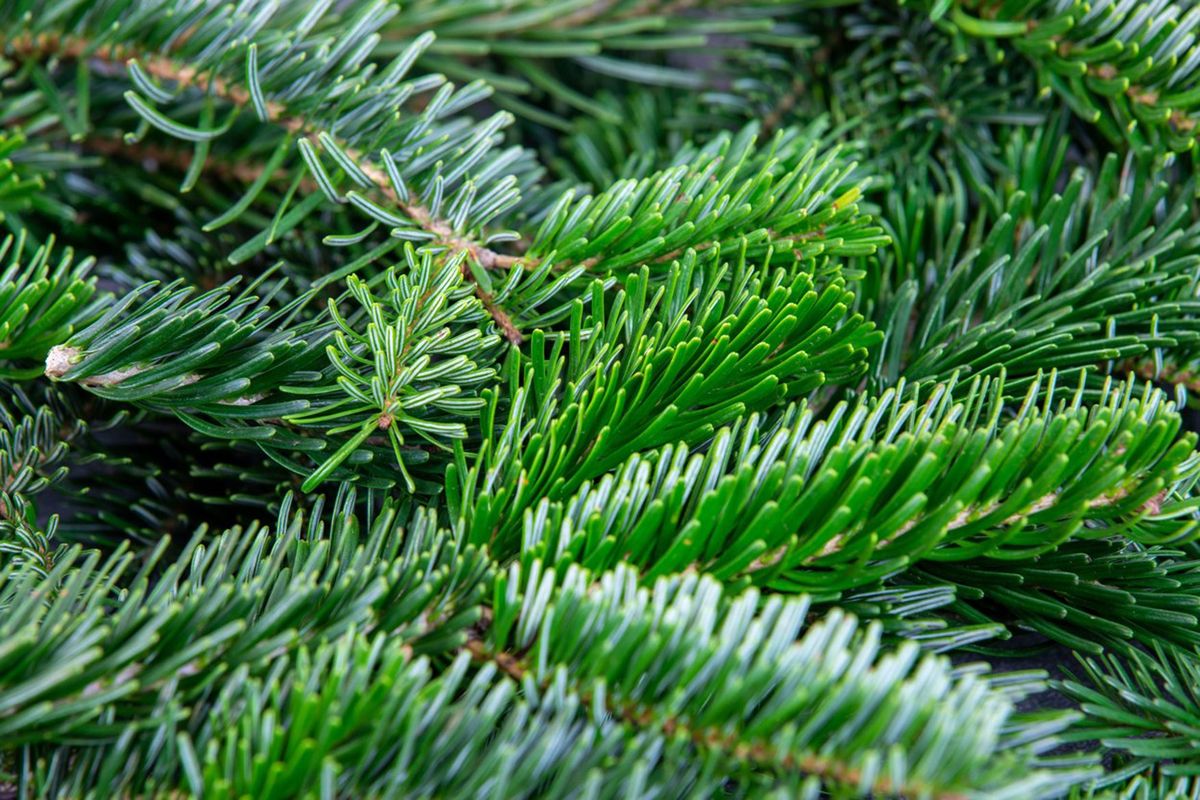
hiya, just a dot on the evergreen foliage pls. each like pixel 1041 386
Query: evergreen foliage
pixel 599 399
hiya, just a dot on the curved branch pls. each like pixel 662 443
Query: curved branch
pixel 163 68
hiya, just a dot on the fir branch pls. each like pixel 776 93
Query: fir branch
pixel 1128 71
pixel 37 434
pixel 404 365
pixel 439 731
pixel 751 432
pixel 788 199
pixel 544 57
pixel 29 449
pixel 183 76
pixel 787 506
pixel 664 382
pixel 1090 595
pixel 725 708
pixel 1098 275
pixel 207 616
pixel 1143 704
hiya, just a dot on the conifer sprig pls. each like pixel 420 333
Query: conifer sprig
pixel 661 659
pixel 1129 70
pixel 794 505
pixel 667 450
